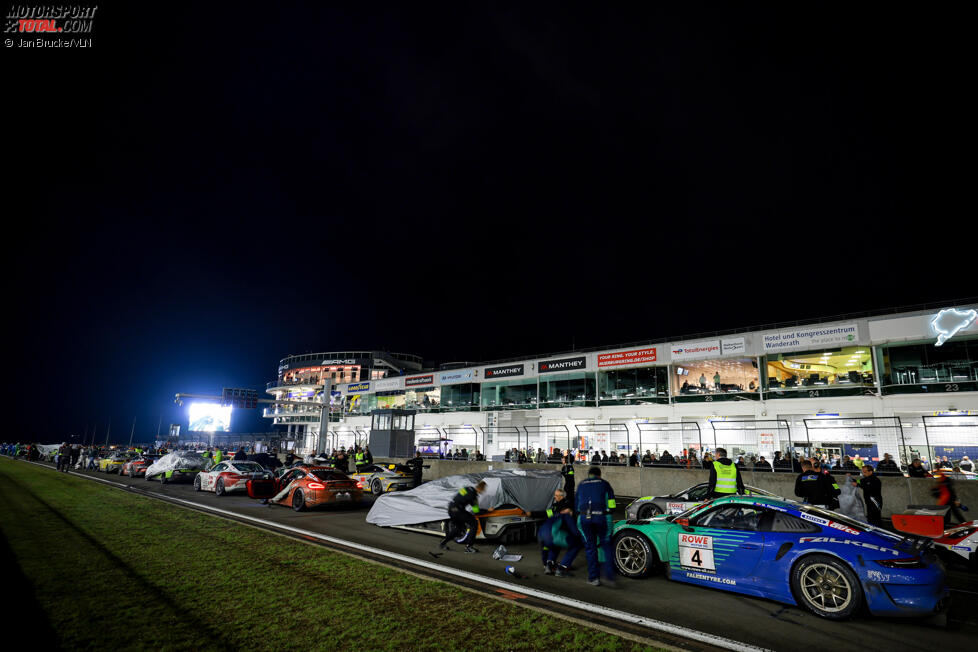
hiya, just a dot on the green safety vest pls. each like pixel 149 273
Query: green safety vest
pixel 726 478
pixel 361 459
pixel 218 456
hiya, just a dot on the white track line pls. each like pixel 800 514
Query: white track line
pixel 658 625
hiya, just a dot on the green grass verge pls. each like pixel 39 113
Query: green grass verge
pixel 93 567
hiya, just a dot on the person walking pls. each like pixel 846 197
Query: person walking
pixel 460 519
pixel 595 502
pixel 556 532
pixel 943 491
pixel 725 478
pixel 872 495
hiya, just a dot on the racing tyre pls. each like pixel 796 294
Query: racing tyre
pixel 298 501
pixel 648 511
pixel 197 486
pixel 219 488
pixel 375 487
pixel 634 555
pixel 826 586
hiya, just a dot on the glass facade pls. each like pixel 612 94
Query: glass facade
pixel 912 368
pixel 567 390
pixel 716 380
pixel 509 394
pixel 423 399
pixel 460 398
pixel 637 386
pixel 389 400
pixel 846 371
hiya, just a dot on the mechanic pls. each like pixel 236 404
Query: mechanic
pixel 873 495
pixel 832 487
pixel 558 531
pixel 943 491
pixel 725 479
pixel 417 468
pixel 460 517
pixel 811 485
pixel 567 470
pixel 360 460
pixel 595 502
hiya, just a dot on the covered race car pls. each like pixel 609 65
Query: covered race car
pixel 504 508
pixel 178 466
pixel 137 466
pixel 114 462
pixel 230 476
pixel 789 552
pixel 381 478
pixel 305 486
pixel 649 506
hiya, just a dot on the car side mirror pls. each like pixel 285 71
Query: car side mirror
pixel 684 523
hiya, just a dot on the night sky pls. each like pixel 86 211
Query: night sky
pixel 207 190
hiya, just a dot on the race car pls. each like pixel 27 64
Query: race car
pixel 137 466
pixel 306 486
pixel 649 506
pixel 960 544
pixel 114 462
pixel 381 478
pixel 230 476
pixel 797 554
pixel 955 544
pixel 178 466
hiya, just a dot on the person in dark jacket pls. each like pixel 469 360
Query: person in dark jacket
pixel 595 502
pixel 815 487
pixel 460 520
pixel 417 468
pixel 872 495
pixel 917 469
pixel 559 516
pixel 567 471
pixel 762 464
pixel 240 455
pixel 887 466
pixel 633 459
pixel 666 459
pixel 596 458
pixel 707 461
pixel 725 479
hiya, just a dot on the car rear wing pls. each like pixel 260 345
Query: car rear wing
pixel 921 524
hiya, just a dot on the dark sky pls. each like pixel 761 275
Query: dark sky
pixel 209 189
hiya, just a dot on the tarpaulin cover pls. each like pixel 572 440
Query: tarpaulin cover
pixel 48 449
pixel 178 460
pixel 849 502
pixel 530 490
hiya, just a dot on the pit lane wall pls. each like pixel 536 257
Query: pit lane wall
pixel 898 492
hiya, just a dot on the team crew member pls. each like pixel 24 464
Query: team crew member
pixel 595 501
pixel 944 492
pixel 557 531
pixel 567 470
pixel 460 517
pixel 417 465
pixel 873 494
pixel 360 459
pixel 814 488
pixel 725 477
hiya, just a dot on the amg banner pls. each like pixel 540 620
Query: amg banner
pixel 547 366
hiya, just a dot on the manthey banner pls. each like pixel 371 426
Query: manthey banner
pixel 810 337
pixel 565 364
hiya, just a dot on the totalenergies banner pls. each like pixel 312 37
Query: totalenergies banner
pixel 635 356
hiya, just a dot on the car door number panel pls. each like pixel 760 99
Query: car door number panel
pixel 696 552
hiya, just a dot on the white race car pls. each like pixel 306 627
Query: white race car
pixel 230 476
pixel 960 543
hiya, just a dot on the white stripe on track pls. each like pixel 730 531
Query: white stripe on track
pixel 657 625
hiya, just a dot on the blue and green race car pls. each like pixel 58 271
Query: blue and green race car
pixel 794 553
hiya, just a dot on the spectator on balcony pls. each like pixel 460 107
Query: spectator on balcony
pixel 666 459
pixel 707 461
pixel 762 465
pixel 887 466
pixel 633 460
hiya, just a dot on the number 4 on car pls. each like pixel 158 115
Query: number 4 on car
pixel 789 552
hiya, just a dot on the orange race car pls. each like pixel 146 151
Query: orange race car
pixel 307 486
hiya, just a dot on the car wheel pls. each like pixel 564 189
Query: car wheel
pixel 376 488
pixel 634 555
pixel 219 488
pixel 648 511
pixel 298 502
pixel 197 486
pixel 826 586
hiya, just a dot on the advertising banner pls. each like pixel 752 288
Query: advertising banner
pixel 566 364
pixel 635 356
pixel 451 377
pixel 358 388
pixel 695 350
pixel 810 337
pixel 388 384
pixel 415 381
pixel 732 346
pixel 504 372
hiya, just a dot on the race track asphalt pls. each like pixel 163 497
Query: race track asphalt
pixel 749 620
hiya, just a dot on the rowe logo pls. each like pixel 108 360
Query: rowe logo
pixel 695 541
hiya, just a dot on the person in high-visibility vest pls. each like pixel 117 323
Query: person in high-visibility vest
pixel 218 456
pixel 725 477
pixel 360 459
